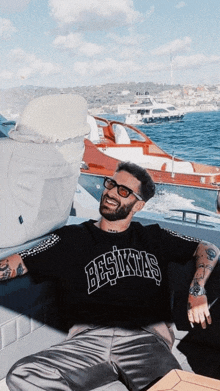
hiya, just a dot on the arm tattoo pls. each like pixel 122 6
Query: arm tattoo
pixel 200 274
pixel 5 270
pixel 211 254
pixel 209 267
pixel 8 271
pixel 20 270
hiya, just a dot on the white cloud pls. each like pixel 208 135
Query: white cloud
pixel 183 62
pixel 90 49
pixel 11 6
pixel 75 42
pixel 7 28
pixel 173 47
pixel 128 53
pixel 30 65
pixel 108 66
pixel 194 61
pixel 181 4
pixel 155 66
pixel 125 47
pixel 6 75
pixel 70 41
pixel 127 40
pixel 19 55
pixel 25 73
pixel 150 11
pixel 94 14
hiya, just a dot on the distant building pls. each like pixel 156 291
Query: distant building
pixel 125 92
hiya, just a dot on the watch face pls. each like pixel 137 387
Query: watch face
pixel 197 290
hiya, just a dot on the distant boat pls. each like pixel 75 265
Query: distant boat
pixel 112 141
pixel 146 110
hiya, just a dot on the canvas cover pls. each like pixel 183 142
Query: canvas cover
pixel 39 174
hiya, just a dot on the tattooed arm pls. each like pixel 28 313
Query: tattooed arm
pixel 11 267
pixel 206 255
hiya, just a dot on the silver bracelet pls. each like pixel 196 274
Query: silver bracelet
pixel 197 290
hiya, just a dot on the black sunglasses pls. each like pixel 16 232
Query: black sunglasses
pixel 122 190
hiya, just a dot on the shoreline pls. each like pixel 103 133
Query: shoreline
pixel 191 109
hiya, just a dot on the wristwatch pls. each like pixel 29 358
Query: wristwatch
pixel 197 290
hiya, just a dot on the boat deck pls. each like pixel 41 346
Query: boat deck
pixel 193 357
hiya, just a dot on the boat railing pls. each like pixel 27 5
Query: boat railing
pixel 184 218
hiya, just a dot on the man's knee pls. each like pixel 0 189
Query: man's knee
pixel 30 374
pixel 25 374
pixel 10 381
pixel 14 376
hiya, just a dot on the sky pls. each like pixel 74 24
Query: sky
pixel 69 43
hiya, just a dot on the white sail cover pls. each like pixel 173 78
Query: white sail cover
pixel 40 166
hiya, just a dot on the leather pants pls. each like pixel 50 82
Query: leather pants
pixel 94 357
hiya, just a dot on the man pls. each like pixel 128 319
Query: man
pixel 116 272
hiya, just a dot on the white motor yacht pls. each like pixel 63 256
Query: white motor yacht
pixel 146 110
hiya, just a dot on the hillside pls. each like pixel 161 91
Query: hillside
pixel 108 96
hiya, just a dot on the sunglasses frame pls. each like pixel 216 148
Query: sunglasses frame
pixel 125 187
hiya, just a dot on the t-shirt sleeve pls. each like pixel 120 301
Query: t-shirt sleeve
pixel 177 247
pixel 49 259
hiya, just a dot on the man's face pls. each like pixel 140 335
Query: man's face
pixel 114 207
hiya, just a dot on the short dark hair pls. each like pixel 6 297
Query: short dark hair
pixel 147 188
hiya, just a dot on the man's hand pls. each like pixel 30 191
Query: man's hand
pixel 198 310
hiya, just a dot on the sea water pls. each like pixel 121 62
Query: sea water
pixel 196 138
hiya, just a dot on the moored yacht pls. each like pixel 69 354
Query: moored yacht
pixel 146 110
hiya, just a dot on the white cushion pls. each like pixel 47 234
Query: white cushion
pixel 38 180
pixel 52 118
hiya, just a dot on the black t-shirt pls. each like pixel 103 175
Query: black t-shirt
pixel 111 277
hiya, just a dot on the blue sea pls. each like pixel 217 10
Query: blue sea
pixel 195 138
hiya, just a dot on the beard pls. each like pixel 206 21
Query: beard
pixel 119 213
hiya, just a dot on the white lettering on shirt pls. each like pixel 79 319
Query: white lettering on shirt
pixel 116 264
